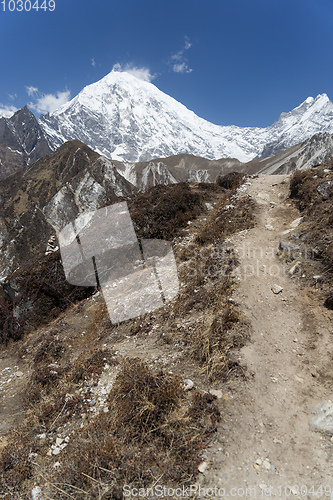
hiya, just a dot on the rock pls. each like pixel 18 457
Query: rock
pixel 296 222
pixel 259 461
pixel 323 419
pixel 203 467
pixel 299 379
pixel 42 436
pixel 286 246
pixel 266 465
pixel 325 189
pixel 295 236
pixel 305 236
pixel 269 227
pixel 209 206
pixel 277 441
pixel 36 493
pixel 59 441
pixel 296 268
pixel 188 384
pixel 263 486
pixel 218 393
pixel 276 289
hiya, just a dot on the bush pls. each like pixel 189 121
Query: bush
pixel 153 427
pixel 162 210
pixel 42 292
pixel 230 181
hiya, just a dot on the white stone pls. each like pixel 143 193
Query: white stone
pixel 217 392
pixel 276 289
pixel 323 419
pixel 188 384
pixel 203 467
pixel 296 222
pixel 36 493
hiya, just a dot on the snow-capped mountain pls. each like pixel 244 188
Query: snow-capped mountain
pixel 128 119
pixel 311 117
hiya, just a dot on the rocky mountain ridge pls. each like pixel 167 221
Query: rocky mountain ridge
pixel 22 141
pixel 39 200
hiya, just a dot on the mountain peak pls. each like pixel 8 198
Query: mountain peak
pixel 129 119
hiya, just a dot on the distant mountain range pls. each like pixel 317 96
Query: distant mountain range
pixel 39 200
pixel 130 120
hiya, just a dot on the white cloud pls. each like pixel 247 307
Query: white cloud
pixel 46 103
pixel 93 62
pixel 7 111
pixel 181 68
pixel 179 62
pixel 12 96
pixel 188 44
pixel 31 90
pixel 141 73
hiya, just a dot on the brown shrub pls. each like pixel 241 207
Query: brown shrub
pixel 42 293
pixel 162 210
pixel 153 428
pixel 230 181
pixel 317 211
pixel 227 330
pixel 232 215
pixel 15 465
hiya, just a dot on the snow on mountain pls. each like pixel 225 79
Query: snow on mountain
pixel 127 119
pixel 311 117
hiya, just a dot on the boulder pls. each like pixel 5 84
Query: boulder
pixel 286 246
pixel 325 189
pixel 323 419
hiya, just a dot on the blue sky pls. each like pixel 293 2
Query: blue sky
pixel 233 62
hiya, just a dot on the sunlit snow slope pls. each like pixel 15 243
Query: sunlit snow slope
pixel 128 119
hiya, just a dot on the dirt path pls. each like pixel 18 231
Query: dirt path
pixel 265 442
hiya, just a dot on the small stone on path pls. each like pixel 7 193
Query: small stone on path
pixel 276 289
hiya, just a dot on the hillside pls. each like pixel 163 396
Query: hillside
pixel 216 388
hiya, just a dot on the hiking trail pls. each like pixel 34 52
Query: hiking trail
pixel 264 443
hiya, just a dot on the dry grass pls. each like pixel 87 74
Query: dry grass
pixel 231 215
pixel 154 431
pixel 230 181
pixel 214 324
pixel 318 214
pixel 42 293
